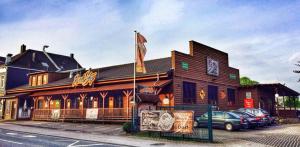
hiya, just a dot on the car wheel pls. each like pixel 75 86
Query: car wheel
pixel 228 127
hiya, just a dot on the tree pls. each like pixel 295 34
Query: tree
pixel 297 70
pixel 245 81
pixel 290 102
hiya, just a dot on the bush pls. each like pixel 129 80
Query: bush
pixel 127 127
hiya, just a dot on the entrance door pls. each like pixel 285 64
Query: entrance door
pixel 14 110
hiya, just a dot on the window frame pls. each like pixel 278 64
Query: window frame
pixel 191 97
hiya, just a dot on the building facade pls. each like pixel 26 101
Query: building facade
pixel 201 77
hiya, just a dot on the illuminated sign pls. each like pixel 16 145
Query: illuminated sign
pixel 88 78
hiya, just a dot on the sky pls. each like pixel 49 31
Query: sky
pixel 261 37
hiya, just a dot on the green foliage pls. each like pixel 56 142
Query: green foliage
pixel 245 81
pixel 289 102
pixel 127 127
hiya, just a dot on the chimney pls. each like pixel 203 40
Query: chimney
pixel 23 48
pixel 8 58
pixel 72 55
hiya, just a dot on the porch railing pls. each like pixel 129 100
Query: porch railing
pixel 103 114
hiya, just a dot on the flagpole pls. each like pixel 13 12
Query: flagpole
pixel 134 80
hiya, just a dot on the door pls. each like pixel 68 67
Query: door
pixel 111 105
pixel 14 110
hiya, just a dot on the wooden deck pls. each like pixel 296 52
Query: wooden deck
pixel 106 114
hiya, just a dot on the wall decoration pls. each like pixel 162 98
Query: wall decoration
pixel 232 76
pixel 55 113
pixel 92 113
pixel 222 94
pixel 248 103
pixel 88 78
pixel 202 94
pixel 184 65
pixel 212 67
pixel 146 107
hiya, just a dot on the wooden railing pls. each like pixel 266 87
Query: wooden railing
pixel 72 114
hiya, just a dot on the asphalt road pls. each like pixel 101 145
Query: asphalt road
pixel 21 139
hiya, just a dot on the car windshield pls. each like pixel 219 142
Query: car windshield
pixel 233 114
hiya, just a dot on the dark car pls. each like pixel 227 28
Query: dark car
pixel 250 118
pixel 260 113
pixel 222 119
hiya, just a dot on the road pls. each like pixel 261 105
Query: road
pixel 10 138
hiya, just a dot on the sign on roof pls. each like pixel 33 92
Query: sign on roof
pixel 88 78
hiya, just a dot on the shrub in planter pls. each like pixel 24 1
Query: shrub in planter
pixel 127 127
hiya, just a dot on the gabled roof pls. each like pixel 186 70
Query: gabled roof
pixel 162 65
pixel 34 59
pixel 273 86
pixel 2 60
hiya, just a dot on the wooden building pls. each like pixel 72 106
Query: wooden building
pixel 201 77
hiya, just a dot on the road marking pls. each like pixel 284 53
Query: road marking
pixel 29 136
pixel 11 133
pixel 11 141
pixel 74 144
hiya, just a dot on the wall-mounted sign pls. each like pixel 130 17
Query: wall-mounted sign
pixel 92 113
pixel 184 65
pixel 248 95
pixel 88 78
pixel 232 76
pixel 212 67
pixel 248 103
pixel 146 89
pixel 165 121
pixel 202 94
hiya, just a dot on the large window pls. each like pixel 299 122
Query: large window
pixel 40 80
pixel 231 96
pixel 212 95
pixel 189 92
pixel 2 78
pixel 33 83
pixel 45 79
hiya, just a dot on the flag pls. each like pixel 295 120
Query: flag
pixel 140 53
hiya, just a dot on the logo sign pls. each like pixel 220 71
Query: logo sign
pixel 248 95
pixel 248 103
pixel 184 65
pixel 88 78
pixel 55 113
pixel 92 113
pixel 212 67
pixel 232 76
pixel 166 121
pixel 184 122
pixel 202 94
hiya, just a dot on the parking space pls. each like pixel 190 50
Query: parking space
pixel 277 135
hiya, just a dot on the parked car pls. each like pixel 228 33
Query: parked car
pixel 222 119
pixel 260 113
pixel 250 118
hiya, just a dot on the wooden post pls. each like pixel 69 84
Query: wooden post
pixel 34 106
pixel 103 95
pixel 82 96
pixel 49 112
pixel 127 94
pixel 65 97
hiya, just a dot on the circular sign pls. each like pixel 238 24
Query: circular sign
pixel 166 121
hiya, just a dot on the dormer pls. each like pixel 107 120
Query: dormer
pixel 42 78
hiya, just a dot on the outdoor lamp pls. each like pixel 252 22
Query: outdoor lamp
pixel 166 101
pixel 92 98
pixel 276 95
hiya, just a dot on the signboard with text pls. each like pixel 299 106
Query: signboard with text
pixel 166 121
pixel 92 113
pixel 248 103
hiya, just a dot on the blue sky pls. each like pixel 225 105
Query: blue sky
pixel 261 37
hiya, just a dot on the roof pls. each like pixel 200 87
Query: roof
pixel 2 60
pixel 13 95
pixel 34 59
pixel 273 86
pixel 162 65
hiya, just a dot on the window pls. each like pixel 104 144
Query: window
pixel 2 78
pixel 45 79
pixel 189 92
pixel 40 80
pixel 231 96
pixel 212 95
pixel 33 83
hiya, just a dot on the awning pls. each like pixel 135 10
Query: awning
pixel 147 98
pixel 125 86
pixel 12 95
